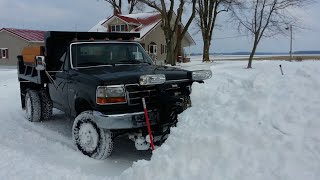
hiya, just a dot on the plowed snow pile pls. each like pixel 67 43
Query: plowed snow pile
pixel 244 124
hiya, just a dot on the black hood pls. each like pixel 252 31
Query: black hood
pixel 130 74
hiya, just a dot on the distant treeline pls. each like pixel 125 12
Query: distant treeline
pixel 259 53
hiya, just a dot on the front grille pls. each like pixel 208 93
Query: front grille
pixel 135 93
pixel 152 94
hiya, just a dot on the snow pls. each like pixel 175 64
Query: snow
pixel 145 29
pixel 99 27
pixel 92 138
pixel 244 124
pixel 141 15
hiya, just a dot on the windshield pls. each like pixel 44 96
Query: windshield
pixel 99 54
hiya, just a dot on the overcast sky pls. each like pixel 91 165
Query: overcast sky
pixel 81 15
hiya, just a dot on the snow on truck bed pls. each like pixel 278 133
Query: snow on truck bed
pixel 244 124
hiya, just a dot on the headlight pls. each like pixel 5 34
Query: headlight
pixel 152 79
pixel 201 75
pixel 111 95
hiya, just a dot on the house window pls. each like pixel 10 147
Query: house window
pixel 118 28
pixel 163 49
pixel 123 27
pixel 153 48
pixel 4 53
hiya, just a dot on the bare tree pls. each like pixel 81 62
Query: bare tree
pixel 171 23
pixel 265 18
pixel 117 5
pixel 208 11
pixel 131 5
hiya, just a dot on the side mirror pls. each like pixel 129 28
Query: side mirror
pixel 40 63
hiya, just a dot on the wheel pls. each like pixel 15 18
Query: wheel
pixel 91 140
pixel 46 105
pixel 33 106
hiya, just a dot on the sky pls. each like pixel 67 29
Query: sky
pixel 81 15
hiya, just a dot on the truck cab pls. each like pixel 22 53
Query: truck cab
pixel 109 84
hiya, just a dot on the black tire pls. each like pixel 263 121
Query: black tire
pixel 46 105
pixel 33 106
pixel 100 145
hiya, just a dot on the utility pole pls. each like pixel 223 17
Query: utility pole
pixel 290 42
pixel 291 37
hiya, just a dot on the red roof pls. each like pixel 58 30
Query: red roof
pixel 150 19
pixel 128 19
pixel 141 18
pixel 26 34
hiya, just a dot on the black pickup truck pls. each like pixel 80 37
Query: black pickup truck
pixel 103 80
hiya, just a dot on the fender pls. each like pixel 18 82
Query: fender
pixel 79 101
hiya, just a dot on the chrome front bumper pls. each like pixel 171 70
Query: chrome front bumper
pixel 124 121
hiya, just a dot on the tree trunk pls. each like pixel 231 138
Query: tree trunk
pixel 253 52
pixel 131 5
pixel 171 57
pixel 131 9
pixel 178 50
pixel 206 46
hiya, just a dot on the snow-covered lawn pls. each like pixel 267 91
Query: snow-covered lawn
pixel 244 124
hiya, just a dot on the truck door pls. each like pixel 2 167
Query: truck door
pixel 59 87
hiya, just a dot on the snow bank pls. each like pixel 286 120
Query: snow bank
pixel 245 124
